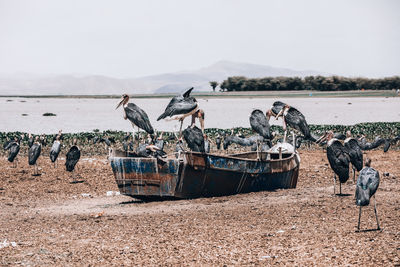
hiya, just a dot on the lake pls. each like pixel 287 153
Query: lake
pixel 86 114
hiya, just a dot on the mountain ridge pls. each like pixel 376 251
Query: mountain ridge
pixel 76 84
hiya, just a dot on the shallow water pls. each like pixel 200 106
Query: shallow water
pixel 77 115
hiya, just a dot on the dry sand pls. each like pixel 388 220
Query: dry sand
pixel 52 223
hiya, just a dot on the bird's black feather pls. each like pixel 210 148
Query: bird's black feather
pixel 34 153
pixel 260 124
pixel 138 117
pixel 73 156
pixel 339 160
pixel 194 138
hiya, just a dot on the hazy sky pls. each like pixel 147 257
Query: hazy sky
pixel 137 38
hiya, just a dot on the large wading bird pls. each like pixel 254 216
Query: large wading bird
pixel 34 153
pixel 30 140
pixel 355 153
pixel 367 184
pixel 292 117
pixel 13 148
pixel 182 106
pixel 55 150
pixel 137 116
pixel 338 158
pixel 194 138
pixel 72 158
pixel 259 123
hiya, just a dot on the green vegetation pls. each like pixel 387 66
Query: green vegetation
pixel 370 130
pixel 317 83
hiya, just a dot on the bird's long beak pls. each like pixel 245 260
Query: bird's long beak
pixel 280 113
pixel 120 103
pixel 322 138
pixel 268 114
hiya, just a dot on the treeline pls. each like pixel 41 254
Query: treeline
pixel 319 83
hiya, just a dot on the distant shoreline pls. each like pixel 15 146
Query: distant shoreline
pixel 266 94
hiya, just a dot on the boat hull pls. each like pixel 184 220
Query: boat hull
pixel 203 175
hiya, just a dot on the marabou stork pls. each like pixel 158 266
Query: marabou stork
pixel 338 158
pixel 194 138
pixel 259 123
pixel 59 135
pixel 218 141
pixel 160 141
pixel 13 148
pixel 207 144
pixel 55 150
pixel 179 148
pixel 30 140
pixel 72 158
pixel 355 153
pixel 34 153
pixel 182 106
pixel 252 141
pixel 292 117
pixel 137 116
pixel 367 184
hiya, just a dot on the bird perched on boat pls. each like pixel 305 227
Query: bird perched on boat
pixel 259 123
pixel 218 141
pixel 207 145
pixel 249 141
pixel 367 184
pixel 13 147
pixel 355 153
pixel 55 150
pixel 137 116
pixel 179 147
pixel 180 107
pixel 338 158
pixel 194 138
pixel 160 141
pixel 72 158
pixel 292 117
pixel 34 153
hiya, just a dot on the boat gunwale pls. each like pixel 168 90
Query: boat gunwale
pixel 230 156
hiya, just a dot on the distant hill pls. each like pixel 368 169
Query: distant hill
pixel 29 84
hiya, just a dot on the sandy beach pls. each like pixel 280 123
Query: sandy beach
pixel 46 220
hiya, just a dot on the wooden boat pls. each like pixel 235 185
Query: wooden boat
pixel 203 175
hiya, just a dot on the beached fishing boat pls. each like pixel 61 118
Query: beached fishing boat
pixel 204 175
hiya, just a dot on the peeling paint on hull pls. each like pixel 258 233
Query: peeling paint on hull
pixel 203 175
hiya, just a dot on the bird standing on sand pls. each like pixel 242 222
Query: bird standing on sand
pixel 182 106
pixel 292 117
pixel 338 158
pixel 34 153
pixel 13 148
pixel 137 116
pixel 355 153
pixel 55 150
pixel 367 184
pixel 72 158
pixel 30 140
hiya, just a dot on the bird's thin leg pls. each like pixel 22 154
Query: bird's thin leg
pixel 376 214
pixel 354 174
pixel 180 129
pixel 340 188
pixel 334 184
pixel 285 130
pixel 359 218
